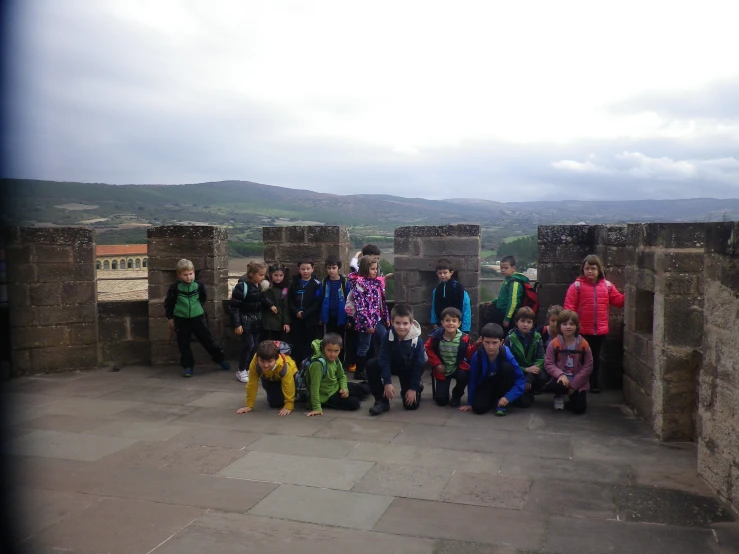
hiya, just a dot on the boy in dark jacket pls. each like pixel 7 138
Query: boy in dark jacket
pixel 450 293
pixel 184 308
pixel 336 288
pixel 276 325
pixel 527 346
pixel 304 297
pixel 496 380
pixel 448 349
pixel 510 296
pixel 401 354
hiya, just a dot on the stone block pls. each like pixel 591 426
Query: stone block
pixel 402 245
pixel 53 253
pixel 296 234
pixel 139 328
pixel 462 230
pixel 271 253
pixel 273 234
pixel 22 273
pixel 158 277
pixel 39 337
pixel 439 248
pixel 724 270
pixel 563 253
pixel 66 272
pixel 130 352
pixel 567 235
pixel 723 238
pixel 557 273
pixel 57 315
pixel 78 292
pixel 20 362
pixel 408 263
pixel 199 232
pixel 291 254
pixel 679 261
pixel 634 235
pixel 683 323
pixel 179 248
pixel 614 255
pixel 19 254
pixel 646 259
pixel 713 467
pixel 215 262
pixel 63 358
pixel 56 235
pixel 638 371
pixel 679 283
pixel 83 252
pixel 158 292
pixel 638 399
pixel 327 233
pixel 611 235
pixel 159 330
pixel 83 333
pixel 19 294
pixel 23 316
pixel 156 309
pixel 685 235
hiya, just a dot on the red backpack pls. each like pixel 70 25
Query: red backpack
pixel 530 297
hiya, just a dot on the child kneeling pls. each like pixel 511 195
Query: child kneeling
pixel 277 372
pixel 327 380
pixel 569 363
pixel 448 350
pixel 401 354
pixel 527 348
pixel 496 379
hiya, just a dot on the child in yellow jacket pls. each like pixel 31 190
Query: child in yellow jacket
pixel 277 372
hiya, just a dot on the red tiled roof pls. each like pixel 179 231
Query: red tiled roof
pixel 120 249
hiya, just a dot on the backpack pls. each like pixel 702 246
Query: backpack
pixel 531 297
pixel 609 286
pixel 302 387
pixel 558 350
pixel 284 347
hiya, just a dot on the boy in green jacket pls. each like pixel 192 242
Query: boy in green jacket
pixel 527 347
pixel 510 296
pixel 327 381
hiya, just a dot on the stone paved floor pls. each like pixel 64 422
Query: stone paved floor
pixel 143 461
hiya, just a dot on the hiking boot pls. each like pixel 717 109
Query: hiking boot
pixel 242 375
pixel 455 401
pixel 559 402
pixel 187 372
pixel 379 408
pixel 225 366
pixel 501 411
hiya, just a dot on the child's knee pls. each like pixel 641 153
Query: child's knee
pixel 351 404
pixel 479 410
pixel 441 400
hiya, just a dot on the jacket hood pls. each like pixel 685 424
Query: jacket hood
pixel 520 277
pixel 316 348
pixel 414 332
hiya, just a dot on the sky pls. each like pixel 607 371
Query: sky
pixel 505 101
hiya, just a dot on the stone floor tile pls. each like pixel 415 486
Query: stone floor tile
pixel 160 395
pixel 142 430
pixel 215 437
pixel 155 413
pixel 455 547
pixel 516 420
pixel 298 470
pixel 350 429
pixel 38 509
pixel 303 446
pixel 176 456
pixel 186 489
pixel 116 526
pixel 70 446
pixel 668 478
pixel 26 400
pixel 407 481
pixel 569 535
pixel 644 451
pixel 571 498
pixel 63 475
pixel 218 533
pixel 89 407
pixel 586 470
pixel 324 506
pixel 477 524
pixel 485 440
pixel 484 489
pixel 669 507
pixel 70 424
pixel 220 399
pixel 727 535
pixel 437 458
pixel 261 421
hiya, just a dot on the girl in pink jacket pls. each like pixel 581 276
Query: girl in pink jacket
pixel 591 297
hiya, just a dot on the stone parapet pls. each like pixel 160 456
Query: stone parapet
pixel 289 245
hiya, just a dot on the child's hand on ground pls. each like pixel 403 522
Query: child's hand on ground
pixel 533 369
pixel 274 309
pixel 312 413
pixel 503 402
pixel 286 328
pixel 171 324
pixel 564 380
pixel 343 393
pixel 284 412
pixel 410 397
pixel 245 410
pixel 239 330
pixel 389 392
pixel 464 408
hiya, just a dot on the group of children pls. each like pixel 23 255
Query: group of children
pixel 508 365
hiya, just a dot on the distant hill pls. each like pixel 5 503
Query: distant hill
pixel 121 211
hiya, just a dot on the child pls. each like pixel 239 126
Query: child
pixel 591 297
pixel 276 325
pixel 246 304
pixel 402 354
pixel 277 372
pixel 527 348
pixel 447 349
pixel 450 292
pixel 569 363
pixel 371 250
pixel 305 306
pixel 327 380
pixel 496 380
pixel 511 292
pixel 183 306
pixel 549 331
pixel 371 317
pixel 335 290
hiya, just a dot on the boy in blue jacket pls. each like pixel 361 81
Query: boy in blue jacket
pixel 401 353
pixel 450 293
pixel 335 288
pixel 496 379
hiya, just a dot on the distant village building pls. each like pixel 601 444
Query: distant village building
pixel 121 256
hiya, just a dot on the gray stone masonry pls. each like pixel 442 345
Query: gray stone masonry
pixel 417 251
pixel 562 248
pixel 123 332
pixel 52 298
pixel 207 248
pixel 290 244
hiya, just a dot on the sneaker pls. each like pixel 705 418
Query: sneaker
pixel 501 411
pixel 379 408
pixel 559 402
pixel 352 368
pixel 187 372
pixel 455 401
pixel 242 375
pixel 225 366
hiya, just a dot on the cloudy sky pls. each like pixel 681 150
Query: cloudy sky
pixel 490 99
